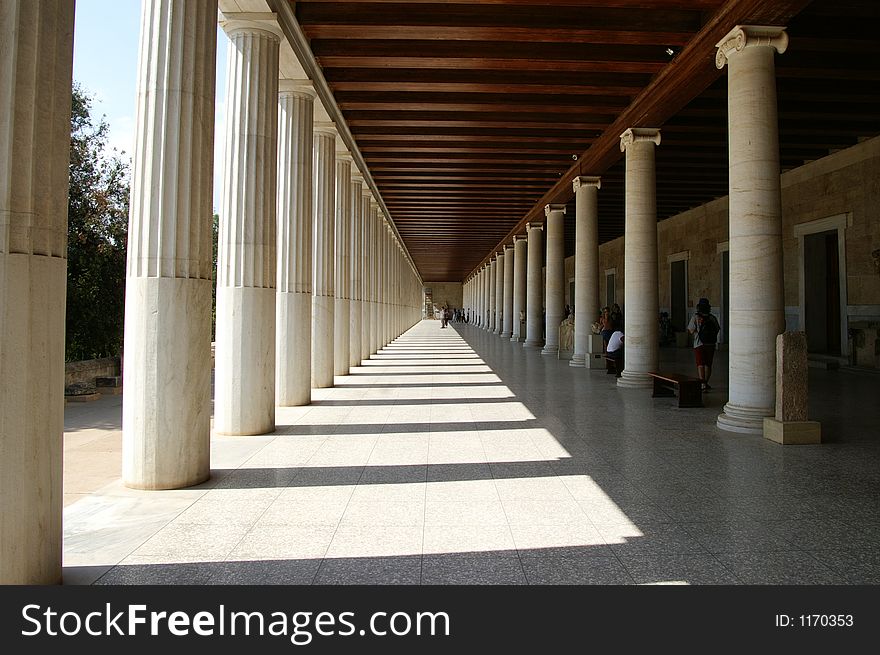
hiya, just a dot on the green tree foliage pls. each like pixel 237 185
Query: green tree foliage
pixel 97 227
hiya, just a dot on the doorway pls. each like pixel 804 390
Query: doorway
pixel 678 295
pixel 822 293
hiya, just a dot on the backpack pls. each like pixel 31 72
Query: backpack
pixel 709 330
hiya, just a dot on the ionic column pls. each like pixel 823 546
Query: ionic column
pixel 756 278
pixel 487 278
pixel 35 85
pixel 323 258
pixel 374 276
pixel 641 345
pixel 245 349
pixel 342 261
pixel 520 266
pixel 586 264
pixel 499 293
pixel 555 296
pixel 534 286
pixel 357 235
pixel 507 304
pixel 293 315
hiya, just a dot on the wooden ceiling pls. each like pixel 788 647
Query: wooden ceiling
pixel 474 115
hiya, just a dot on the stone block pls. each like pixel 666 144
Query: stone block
pixel 792 432
pixel 791 376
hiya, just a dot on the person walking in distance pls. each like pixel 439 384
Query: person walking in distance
pixel 705 328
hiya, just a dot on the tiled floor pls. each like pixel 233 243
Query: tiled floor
pixel 456 457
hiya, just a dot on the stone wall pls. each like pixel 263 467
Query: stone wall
pixel 446 293
pixel 86 371
pixel 845 184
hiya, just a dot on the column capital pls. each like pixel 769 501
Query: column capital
pixel 639 134
pixel 356 176
pixel 251 21
pixel 508 247
pixel 586 181
pixel 744 36
pixel 537 225
pixel 367 193
pixel 304 88
pixel 374 204
pixel 519 237
pixel 326 127
pixel 344 155
pixel 553 208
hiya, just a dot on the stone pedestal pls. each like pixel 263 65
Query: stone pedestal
pixel 756 285
pixel 520 267
pixel 595 356
pixel 586 264
pixel 790 424
pixel 554 297
pixel 534 287
pixel 641 350
pixel 293 313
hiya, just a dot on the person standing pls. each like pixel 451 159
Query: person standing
pixel 705 328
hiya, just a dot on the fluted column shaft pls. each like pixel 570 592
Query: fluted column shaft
pixel 366 272
pixel 757 312
pixel 357 234
pixel 520 268
pixel 641 345
pixel 293 305
pixel 499 293
pixel 35 87
pixel 555 294
pixel 493 276
pixel 323 258
pixel 507 294
pixel 374 264
pixel 246 265
pixel 586 264
pixel 342 262
pixel 534 286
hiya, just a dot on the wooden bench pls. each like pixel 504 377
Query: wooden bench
pixel 690 392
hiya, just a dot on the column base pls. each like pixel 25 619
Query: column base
pixel 578 360
pixel 533 344
pixel 633 380
pixel 743 420
pixel 505 335
pixel 516 339
pixel 793 432
pixel 550 350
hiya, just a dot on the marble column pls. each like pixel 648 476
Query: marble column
pixel 757 312
pixel 323 267
pixel 641 327
pixel 342 262
pixel 246 263
pixel 493 275
pixel 366 290
pixel 293 315
pixel 36 59
pixel 520 266
pixel 555 294
pixel 586 264
pixel 374 276
pixel 499 293
pixel 166 415
pixel 357 233
pixel 507 304
pixel 534 286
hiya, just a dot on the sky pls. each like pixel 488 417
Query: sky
pixel 105 57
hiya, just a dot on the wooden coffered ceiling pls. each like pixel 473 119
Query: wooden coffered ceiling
pixel 473 115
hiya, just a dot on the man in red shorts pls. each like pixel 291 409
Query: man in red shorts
pixel 705 328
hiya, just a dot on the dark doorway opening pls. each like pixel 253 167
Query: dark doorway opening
pixel 679 308
pixel 822 293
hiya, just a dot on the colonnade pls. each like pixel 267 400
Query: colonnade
pixel 311 276
pixel 533 280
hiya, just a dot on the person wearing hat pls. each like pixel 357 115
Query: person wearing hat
pixel 705 328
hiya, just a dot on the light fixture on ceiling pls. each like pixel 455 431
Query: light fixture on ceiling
pixel 574 157
pixel 670 51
